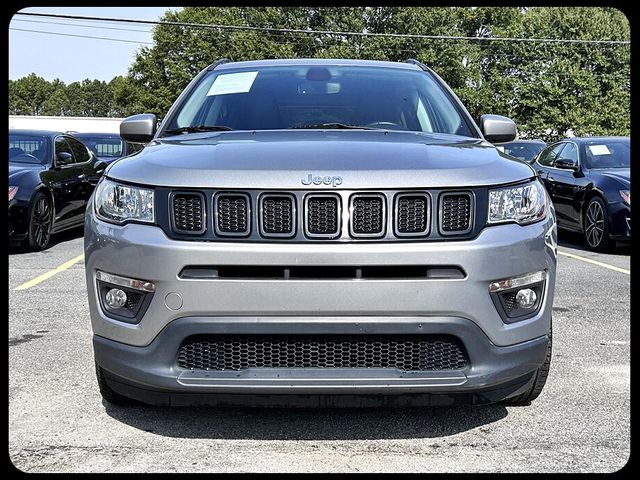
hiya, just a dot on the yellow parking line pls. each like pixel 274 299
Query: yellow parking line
pixel 50 273
pixel 600 264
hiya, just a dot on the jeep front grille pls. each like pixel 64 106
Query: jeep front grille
pixel 322 216
pixel 455 213
pixel 367 214
pixel 412 214
pixel 299 216
pixel 188 212
pixel 232 214
pixel 277 215
pixel 402 352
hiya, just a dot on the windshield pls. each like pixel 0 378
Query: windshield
pixel 612 153
pixel 299 96
pixel 524 151
pixel 110 147
pixel 28 149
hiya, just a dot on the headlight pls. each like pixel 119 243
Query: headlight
pixel 522 204
pixel 117 203
pixel 12 192
pixel 626 196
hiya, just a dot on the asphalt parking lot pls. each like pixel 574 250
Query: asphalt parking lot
pixel 58 422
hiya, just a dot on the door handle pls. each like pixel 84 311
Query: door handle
pixel 551 179
pixel 82 176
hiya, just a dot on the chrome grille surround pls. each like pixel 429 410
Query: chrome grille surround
pixel 455 213
pixel 231 219
pixel 409 213
pixel 186 216
pixel 315 213
pixel 367 220
pixel 274 220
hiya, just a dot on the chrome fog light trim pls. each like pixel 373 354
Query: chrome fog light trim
pixel 142 285
pixel 514 282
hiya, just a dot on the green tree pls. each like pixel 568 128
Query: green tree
pixel 28 94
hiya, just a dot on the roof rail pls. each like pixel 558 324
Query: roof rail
pixel 216 63
pixel 413 61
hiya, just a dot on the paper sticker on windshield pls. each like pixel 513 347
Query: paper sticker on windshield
pixel 599 150
pixel 232 83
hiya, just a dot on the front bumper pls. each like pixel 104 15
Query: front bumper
pixel 150 374
pixel 620 221
pixel 143 356
pixel 18 219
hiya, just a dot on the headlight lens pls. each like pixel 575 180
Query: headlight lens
pixel 522 204
pixel 626 196
pixel 117 203
pixel 12 192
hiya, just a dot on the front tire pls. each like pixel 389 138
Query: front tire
pixel 595 223
pixel 40 222
pixel 109 394
pixel 540 379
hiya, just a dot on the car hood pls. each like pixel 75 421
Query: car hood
pixel 17 170
pixel 623 175
pixel 283 159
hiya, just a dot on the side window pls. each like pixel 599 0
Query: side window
pixel 548 156
pixel 80 152
pixel 62 147
pixel 133 148
pixel 570 152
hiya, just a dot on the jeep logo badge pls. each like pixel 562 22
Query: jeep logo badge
pixel 318 180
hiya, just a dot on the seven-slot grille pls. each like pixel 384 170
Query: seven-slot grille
pixel 455 211
pixel 277 215
pixel 232 214
pixel 367 215
pixel 188 212
pixel 322 216
pixel 403 352
pixel 319 215
pixel 412 214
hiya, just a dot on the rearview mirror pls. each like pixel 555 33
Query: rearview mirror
pixel 139 128
pixel 497 128
pixel 566 164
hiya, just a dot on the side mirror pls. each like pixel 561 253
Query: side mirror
pixel 497 128
pixel 139 128
pixel 62 159
pixel 566 164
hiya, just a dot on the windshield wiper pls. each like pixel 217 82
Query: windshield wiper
pixel 336 126
pixel 198 128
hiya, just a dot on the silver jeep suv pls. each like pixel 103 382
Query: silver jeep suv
pixel 313 229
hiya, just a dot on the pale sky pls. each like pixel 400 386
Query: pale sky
pixel 74 58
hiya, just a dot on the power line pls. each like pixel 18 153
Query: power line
pixel 327 32
pixel 79 36
pixel 83 25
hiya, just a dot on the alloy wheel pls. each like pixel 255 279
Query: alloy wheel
pixel 41 222
pixel 594 224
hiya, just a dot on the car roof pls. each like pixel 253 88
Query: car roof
pixel 46 133
pixel 597 138
pixel 525 141
pixel 94 134
pixel 327 62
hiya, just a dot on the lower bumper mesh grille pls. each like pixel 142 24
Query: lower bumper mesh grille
pixel 403 352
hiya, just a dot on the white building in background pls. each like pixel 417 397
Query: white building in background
pixel 66 124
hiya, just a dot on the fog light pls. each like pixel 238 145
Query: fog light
pixel 116 298
pixel 526 298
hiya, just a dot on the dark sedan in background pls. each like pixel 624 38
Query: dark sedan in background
pixel 589 183
pixel 526 150
pixel 108 146
pixel 51 177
